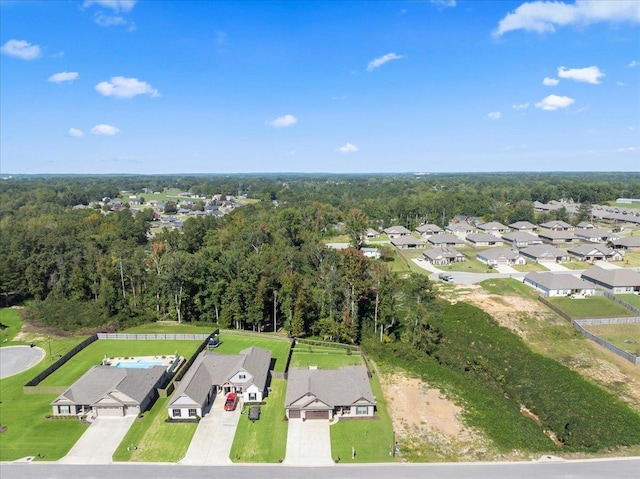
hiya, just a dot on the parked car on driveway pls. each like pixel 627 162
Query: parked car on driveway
pixel 231 402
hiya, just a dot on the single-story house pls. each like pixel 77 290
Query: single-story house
pixel 371 252
pixel 325 393
pixel 630 243
pixel 544 254
pixel 594 235
pixel 429 230
pixel 408 242
pixel 443 256
pixel 500 256
pixel 484 239
pixel 618 280
pixel 461 230
pixel 111 391
pixel 245 373
pixel 445 239
pixel 522 238
pixel 595 252
pixel 557 225
pixel 396 232
pixel 370 233
pixel 559 284
pixel 557 236
pixel 523 226
pixel 493 227
pixel 585 225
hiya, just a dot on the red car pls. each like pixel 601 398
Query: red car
pixel 231 402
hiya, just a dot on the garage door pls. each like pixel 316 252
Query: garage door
pixel 316 414
pixel 294 413
pixel 109 411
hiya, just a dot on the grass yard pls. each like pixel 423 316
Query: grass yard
pixel 154 439
pixel 509 287
pixel 324 357
pixel 632 299
pixel 10 324
pixel 529 267
pixel 631 259
pixel 372 438
pixel 576 265
pixel 266 439
pixel 468 266
pixel 234 343
pixel 625 336
pixel 173 327
pixel 590 307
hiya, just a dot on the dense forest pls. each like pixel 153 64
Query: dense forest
pixel 263 266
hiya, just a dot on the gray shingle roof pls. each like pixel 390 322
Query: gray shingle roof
pixel 492 226
pixel 483 238
pixel 401 230
pixel 522 225
pixel 554 281
pixel 498 253
pixel 407 240
pixel 445 238
pixel 619 277
pixel 521 237
pixel 543 251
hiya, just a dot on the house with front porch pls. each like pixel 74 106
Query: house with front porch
pixel 211 374
pixel 557 225
pixel 523 226
pixel 501 256
pixel 461 230
pixel 324 393
pixel 559 284
pixel 595 252
pixel 544 254
pixel 428 230
pixel 443 256
pixel 394 232
pixel 493 227
pixel 594 235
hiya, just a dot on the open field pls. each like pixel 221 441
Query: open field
pixel 590 307
pixel 625 336
pixel 154 439
pixel 305 355
pixel 372 438
pixel 264 440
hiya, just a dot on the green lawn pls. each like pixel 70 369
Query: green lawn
pixel 323 357
pixel 468 266
pixel 631 259
pixel 625 336
pixel 590 307
pixel 509 287
pixel 574 265
pixel 154 439
pixel 173 327
pixel 632 299
pixel 529 267
pixel 266 439
pixel 234 343
pixel 371 438
pixel 10 324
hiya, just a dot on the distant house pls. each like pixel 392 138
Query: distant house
pixel 630 243
pixel 407 242
pixel 111 391
pixel 484 239
pixel 557 236
pixel 428 230
pixel 523 226
pixel 501 256
pixel 443 256
pixel 325 393
pixel 557 225
pixel 520 239
pixel 371 252
pixel 444 239
pixel 585 225
pixel 338 245
pixel 618 280
pixel 396 232
pixel 461 230
pixel 493 227
pixel 594 235
pixel 371 234
pixel 245 373
pixel 595 252
pixel 558 284
pixel 544 254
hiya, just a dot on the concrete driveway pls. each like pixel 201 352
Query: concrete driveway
pixel 99 441
pixel 506 269
pixel 211 444
pixel 308 443
pixel 555 267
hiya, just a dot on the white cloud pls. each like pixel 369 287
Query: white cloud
pixel 633 64
pixel 115 5
pixel 521 106
pixel 75 133
pixel 587 75
pixel 545 16
pixel 550 81
pixel 628 149
pixel 554 102
pixel 348 148
pixel 378 62
pixel 286 120
pixel 494 115
pixel 105 130
pixel 122 87
pixel 444 3
pixel 63 77
pixel 21 49
pixel 108 20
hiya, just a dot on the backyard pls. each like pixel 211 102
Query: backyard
pixel 305 355
pixel 590 307
pixel 625 336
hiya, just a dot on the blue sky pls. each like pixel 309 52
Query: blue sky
pixel 156 87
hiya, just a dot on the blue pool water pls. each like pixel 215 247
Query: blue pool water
pixel 139 364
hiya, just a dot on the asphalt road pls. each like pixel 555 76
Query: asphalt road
pixel 594 469
pixel 15 359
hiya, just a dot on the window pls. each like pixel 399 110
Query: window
pixel 253 396
pixel 193 413
pixel 242 376
pixel 362 410
pixel 64 409
pixel 177 413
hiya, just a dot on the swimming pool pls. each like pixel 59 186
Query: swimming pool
pixel 139 364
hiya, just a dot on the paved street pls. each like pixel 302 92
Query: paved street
pixel 15 359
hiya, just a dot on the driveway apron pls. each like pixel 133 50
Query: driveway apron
pixel 211 444
pixel 308 443
pixel 99 441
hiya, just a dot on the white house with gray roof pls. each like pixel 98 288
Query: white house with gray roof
pixel 522 238
pixel 396 231
pixel 428 230
pixel 493 227
pixel 484 239
pixel 443 256
pixel 618 280
pixel 245 373
pixel 595 235
pixel 523 226
pixel 557 225
pixel 500 256
pixel 111 391
pixel 558 284
pixel 325 393
pixel 544 253
pixel 595 252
